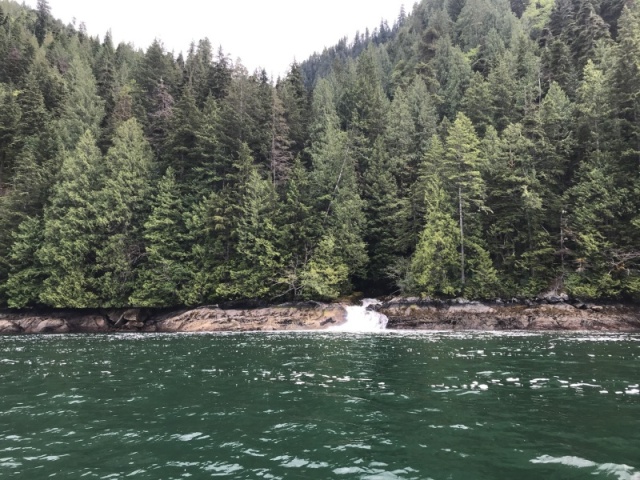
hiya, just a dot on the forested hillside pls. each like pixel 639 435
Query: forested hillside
pixel 475 148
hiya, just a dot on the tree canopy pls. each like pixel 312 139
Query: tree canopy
pixel 428 157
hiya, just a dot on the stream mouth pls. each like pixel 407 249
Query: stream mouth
pixel 360 319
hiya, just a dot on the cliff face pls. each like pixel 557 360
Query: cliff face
pixel 416 315
pixel 307 316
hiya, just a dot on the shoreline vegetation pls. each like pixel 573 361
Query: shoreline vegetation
pixel 426 157
pixel 537 315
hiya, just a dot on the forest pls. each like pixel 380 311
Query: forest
pixel 477 148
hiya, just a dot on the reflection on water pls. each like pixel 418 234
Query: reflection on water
pixel 338 405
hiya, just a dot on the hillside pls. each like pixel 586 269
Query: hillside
pixel 475 148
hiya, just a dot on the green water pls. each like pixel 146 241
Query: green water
pixel 320 406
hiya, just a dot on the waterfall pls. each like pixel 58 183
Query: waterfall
pixel 360 319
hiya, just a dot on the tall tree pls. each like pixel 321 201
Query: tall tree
pixel 69 245
pixel 435 263
pixel 462 167
pixel 122 209
pixel 43 20
pixel 163 274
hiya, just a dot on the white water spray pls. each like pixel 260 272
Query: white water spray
pixel 359 319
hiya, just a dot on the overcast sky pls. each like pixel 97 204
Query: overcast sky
pixel 263 33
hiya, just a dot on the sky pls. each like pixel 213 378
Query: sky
pixel 268 34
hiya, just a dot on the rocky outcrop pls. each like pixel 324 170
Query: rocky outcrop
pixel 300 316
pixel 403 313
pixel 414 314
pixel 296 317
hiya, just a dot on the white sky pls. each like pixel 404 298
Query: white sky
pixel 263 33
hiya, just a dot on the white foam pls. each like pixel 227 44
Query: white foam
pixel 567 460
pixel 360 319
pixel 622 472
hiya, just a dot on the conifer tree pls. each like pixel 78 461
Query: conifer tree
pixel 462 168
pixel 296 105
pixel 424 115
pixel 43 19
pixel 122 209
pixel 69 245
pixel 163 274
pixel 257 259
pixel 435 263
pixel 26 274
pixel 386 229
pixel 335 190
pixel 84 108
pixel 325 276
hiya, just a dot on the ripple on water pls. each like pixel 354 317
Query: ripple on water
pixel 621 472
pixel 315 406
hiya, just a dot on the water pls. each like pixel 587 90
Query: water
pixel 362 320
pixel 320 406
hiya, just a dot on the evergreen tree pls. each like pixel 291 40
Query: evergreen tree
pixel 84 108
pixel 163 273
pixel 478 102
pixel 257 258
pixel 386 229
pixel 43 19
pixel 69 245
pixel 280 156
pixel 335 190
pixel 462 168
pixel 435 263
pixel 26 274
pixel 295 101
pixel 325 276
pixel 424 115
pixel 626 83
pixel 453 74
pixel 122 208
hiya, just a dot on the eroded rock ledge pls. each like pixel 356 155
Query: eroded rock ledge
pixel 298 316
pixel 541 315
pixel 554 314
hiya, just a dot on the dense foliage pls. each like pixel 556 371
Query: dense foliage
pixel 477 147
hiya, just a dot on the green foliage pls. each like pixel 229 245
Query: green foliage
pixel 257 258
pixel 70 239
pixel 26 276
pixel 162 275
pixel 84 108
pixel 325 276
pixel 435 263
pixel 474 147
pixel 123 206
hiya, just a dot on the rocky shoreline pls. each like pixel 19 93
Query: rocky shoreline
pixel 546 314
pixel 543 314
pixel 298 316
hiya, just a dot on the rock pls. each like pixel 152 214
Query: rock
pixel 53 325
pixel 415 300
pixel 302 317
pixel 8 327
pixel 89 324
pixel 553 297
pixel 133 315
pixel 471 308
pixel 134 325
pixel 597 308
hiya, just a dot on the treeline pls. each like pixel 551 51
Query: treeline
pixel 477 147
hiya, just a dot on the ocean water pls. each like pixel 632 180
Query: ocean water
pixel 320 406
